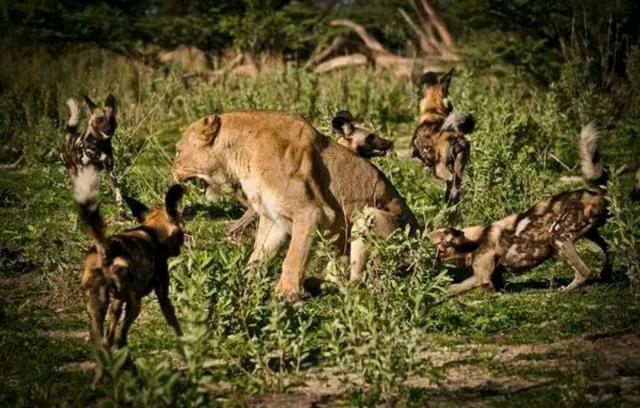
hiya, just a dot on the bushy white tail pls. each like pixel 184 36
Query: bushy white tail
pixel 588 146
pixel 74 115
pixel 458 122
pixel 86 196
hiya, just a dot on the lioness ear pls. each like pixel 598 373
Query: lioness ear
pixel 138 209
pixel 445 81
pixel 210 128
pixel 110 105
pixel 90 104
pixel 343 123
pixel 172 200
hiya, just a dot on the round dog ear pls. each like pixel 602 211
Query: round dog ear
pixel 110 104
pixel 210 128
pixel 343 123
pixel 445 81
pixel 138 209
pixel 173 199
pixel 438 235
pixel 428 79
pixel 90 104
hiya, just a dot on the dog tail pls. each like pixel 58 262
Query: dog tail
pixel 459 122
pixel 588 149
pixel 85 194
pixel 74 116
pixel 635 194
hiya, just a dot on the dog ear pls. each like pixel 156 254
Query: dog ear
pixel 343 123
pixel 428 79
pixel 90 104
pixel 445 81
pixel 172 200
pixel 210 128
pixel 138 209
pixel 110 105
pixel 438 235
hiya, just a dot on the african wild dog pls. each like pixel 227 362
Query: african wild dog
pixel 359 140
pixel 123 268
pixel 92 147
pixel 524 240
pixel 439 140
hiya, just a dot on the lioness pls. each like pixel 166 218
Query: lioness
pixel 296 179
pixel 359 140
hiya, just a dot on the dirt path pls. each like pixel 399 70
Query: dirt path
pixel 479 375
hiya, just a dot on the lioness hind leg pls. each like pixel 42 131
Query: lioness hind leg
pixel 581 272
pixel 382 223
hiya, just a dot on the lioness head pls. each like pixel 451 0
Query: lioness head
pixel 434 93
pixel 359 140
pixel 198 156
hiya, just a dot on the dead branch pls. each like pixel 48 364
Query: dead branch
pixel 438 23
pixel 342 61
pixel 423 39
pixel 335 44
pixel 13 165
pixel 367 38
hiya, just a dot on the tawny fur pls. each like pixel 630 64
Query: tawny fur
pixel 295 178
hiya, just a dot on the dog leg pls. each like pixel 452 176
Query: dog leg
pixel 305 225
pixel 236 229
pixel 581 271
pixel 269 238
pixel 97 305
pixel 131 314
pixel 162 292
pixel 595 237
pixel 115 311
pixel 117 193
pixel 483 268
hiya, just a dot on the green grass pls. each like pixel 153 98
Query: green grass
pixel 240 340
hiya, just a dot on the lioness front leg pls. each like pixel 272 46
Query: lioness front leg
pixel 305 224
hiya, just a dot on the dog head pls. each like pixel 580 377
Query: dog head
pixel 434 93
pixel 102 120
pixel 452 245
pixel 198 156
pixel 359 140
pixel 165 220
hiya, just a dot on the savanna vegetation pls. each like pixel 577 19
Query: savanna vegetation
pixel 531 72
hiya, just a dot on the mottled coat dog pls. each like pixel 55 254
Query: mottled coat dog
pixel 92 146
pixel 439 140
pixel 123 268
pixel 524 240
